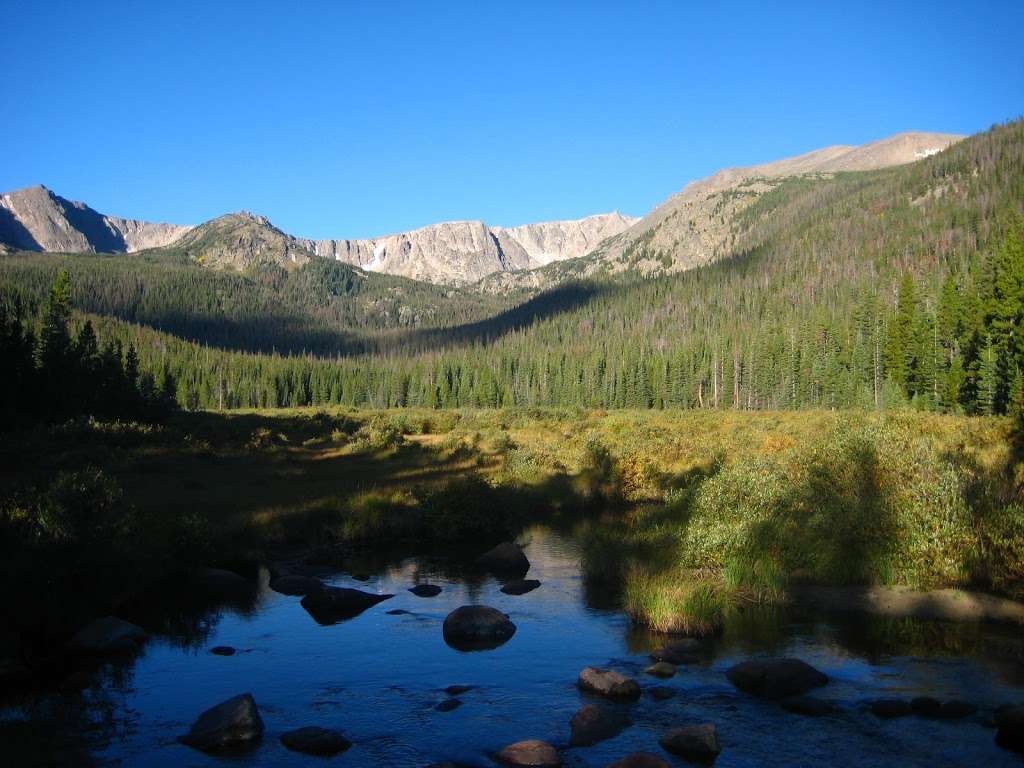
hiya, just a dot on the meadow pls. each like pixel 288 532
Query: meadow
pixel 684 515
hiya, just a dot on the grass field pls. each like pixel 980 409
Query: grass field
pixel 685 513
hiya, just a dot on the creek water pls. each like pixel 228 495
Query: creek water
pixel 378 678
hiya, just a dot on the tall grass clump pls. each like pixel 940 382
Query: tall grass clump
pixel 675 602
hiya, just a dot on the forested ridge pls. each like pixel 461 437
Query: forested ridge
pixel 872 289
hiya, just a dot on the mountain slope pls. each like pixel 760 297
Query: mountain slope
pixel 36 219
pixel 694 226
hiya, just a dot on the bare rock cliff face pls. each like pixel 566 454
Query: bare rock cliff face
pixel 36 219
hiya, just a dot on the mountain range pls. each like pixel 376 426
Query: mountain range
pixel 692 227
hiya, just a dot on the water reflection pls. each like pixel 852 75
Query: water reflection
pixel 380 676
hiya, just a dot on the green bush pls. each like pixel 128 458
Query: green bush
pixel 466 508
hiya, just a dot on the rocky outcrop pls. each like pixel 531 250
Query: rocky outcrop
pixel 477 628
pixel 36 219
pixel 108 635
pixel 333 604
pixel 609 684
pixel 775 678
pixel 232 725
pixel 559 240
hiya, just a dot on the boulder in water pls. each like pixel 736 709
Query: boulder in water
pixel 222 650
pixel 313 740
pixel 222 583
pixel 926 706
pixel 954 710
pixel 531 753
pixel 477 628
pixel 234 724
pixel 662 669
pixel 683 651
pixel 693 742
pixel 333 604
pixel 520 586
pixel 776 678
pixel 593 723
pixel 506 559
pixel 448 705
pixel 609 684
pixel 890 708
pixel 661 692
pixel 425 590
pixel 108 635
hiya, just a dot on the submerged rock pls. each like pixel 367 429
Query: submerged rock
pixel 954 710
pixel 683 651
pixel 107 636
pixel 662 669
pixel 505 558
pixel 425 590
pixel 234 724
pixel 313 740
pixel 398 612
pixel 532 753
pixel 693 742
pixel 296 585
pixel 458 690
pixel 776 678
pixel 890 708
pixel 222 650
pixel 333 604
pixel 593 723
pixel 611 685
pixel 640 760
pixel 926 706
pixel 448 705
pixel 477 628
pixel 807 705
pixel 520 586
pixel 661 692
pixel 1010 725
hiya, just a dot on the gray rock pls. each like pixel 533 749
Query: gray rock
pixel 426 590
pixel 505 558
pixel 108 635
pixel 609 684
pixel 333 604
pixel 693 742
pixel 477 627
pixel 520 586
pixel 775 678
pixel 295 585
pixel 531 753
pixel 313 740
pixel 593 723
pixel 640 760
pixel 234 724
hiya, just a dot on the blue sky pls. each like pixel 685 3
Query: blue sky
pixel 358 119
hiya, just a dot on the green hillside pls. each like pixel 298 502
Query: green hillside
pixel 857 289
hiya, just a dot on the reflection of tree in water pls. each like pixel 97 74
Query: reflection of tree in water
pixel 67 724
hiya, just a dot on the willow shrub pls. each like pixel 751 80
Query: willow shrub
pixel 868 503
